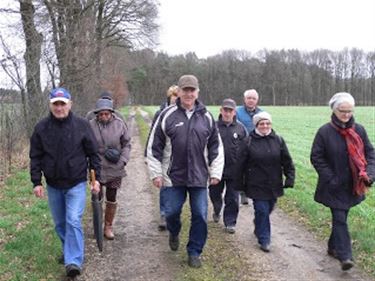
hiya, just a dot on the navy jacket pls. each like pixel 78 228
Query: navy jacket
pixel 329 156
pixel 63 150
pixel 185 151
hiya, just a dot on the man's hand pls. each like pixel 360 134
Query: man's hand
pixel 39 191
pixel 158 182
pixel 214 181
pixel 95 188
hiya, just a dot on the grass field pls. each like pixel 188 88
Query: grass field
pixel 298 126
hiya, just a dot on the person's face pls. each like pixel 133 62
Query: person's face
pixel 227 114
pixel 251 100
pixel 264 126
pixel 104 116
pixel 172 99
pixel 344 112
pixel 188 97
pixel 60 109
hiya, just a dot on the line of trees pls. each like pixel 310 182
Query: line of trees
pixel 72 43
pixel 284 77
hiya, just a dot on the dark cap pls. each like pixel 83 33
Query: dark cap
pixel 103 104
pixel 188 81
pixel 229 103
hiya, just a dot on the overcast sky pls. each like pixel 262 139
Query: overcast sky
pixel 208 27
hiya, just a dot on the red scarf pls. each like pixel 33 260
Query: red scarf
pixel 357 160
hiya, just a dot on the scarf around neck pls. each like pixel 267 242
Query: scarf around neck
pixel 357 159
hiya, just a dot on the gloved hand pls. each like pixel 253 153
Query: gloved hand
pixel 288 183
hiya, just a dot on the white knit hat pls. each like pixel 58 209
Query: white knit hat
pixel 340 98
pixel 261 116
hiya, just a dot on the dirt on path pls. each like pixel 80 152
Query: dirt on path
pixel 140 252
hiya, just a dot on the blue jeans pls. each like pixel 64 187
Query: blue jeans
pixel 176 197
pixel 162 201
pixel 262 211
pixel 230 199
pixel 339 239
pixel 67 207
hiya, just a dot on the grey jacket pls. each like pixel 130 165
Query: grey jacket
pixel 115 134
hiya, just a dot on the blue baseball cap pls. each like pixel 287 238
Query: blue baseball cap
pixel 59 94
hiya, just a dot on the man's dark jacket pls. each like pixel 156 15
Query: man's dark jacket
pixel 63 149
pixel 234 137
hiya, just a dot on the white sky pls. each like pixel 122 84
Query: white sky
pixel 207 27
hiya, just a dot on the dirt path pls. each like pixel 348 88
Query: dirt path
pixel 139 252
pixel 295 253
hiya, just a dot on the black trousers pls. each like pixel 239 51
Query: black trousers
pixel 231 206
pixel 340 241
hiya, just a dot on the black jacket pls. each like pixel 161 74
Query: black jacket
pixel 233 136
pixel 266 160
pixel 61 149
pixel 329 156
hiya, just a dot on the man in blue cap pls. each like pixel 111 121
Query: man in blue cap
pixel 63 148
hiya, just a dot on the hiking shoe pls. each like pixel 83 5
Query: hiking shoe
pixel 230 229
pixel 265 247
pixel 347 264
pixel 72 270
pixel 216 217
pixel 162 224
pixel 174 242
pixel 194 261
pixel 332 253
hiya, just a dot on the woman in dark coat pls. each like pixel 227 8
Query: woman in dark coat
pixel 344 159
pixel 266 159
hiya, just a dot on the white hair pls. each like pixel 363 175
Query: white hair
pixel 340 98
pixel 249 92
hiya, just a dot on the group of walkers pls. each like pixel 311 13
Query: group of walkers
pixel 238 156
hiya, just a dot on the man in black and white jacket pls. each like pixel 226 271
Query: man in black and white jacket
pixel 185 154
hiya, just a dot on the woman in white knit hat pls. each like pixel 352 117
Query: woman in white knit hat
pixel 344 159
pixel 266 159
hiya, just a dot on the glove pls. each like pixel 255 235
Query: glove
pixel 288 183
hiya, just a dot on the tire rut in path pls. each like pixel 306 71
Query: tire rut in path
pixel 139 251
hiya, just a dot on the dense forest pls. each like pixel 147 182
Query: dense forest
pixel 283 77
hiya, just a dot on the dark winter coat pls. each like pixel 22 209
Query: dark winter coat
pixel 63 150
pixel 266 159
pixel 234 137
pixel 185 151
pixel 329 156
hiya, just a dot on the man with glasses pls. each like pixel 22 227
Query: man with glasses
pixel 245 115
pixel 233 135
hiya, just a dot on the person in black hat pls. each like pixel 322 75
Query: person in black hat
pixel 234 136
pixel 62 149
pixel 113 138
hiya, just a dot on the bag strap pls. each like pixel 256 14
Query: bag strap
pixel 101 135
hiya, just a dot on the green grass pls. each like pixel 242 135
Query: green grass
pixel 28 244
pixel 298 126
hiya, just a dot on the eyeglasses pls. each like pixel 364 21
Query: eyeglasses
pixel 266 123
pixel 345 111
pixel 100 114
